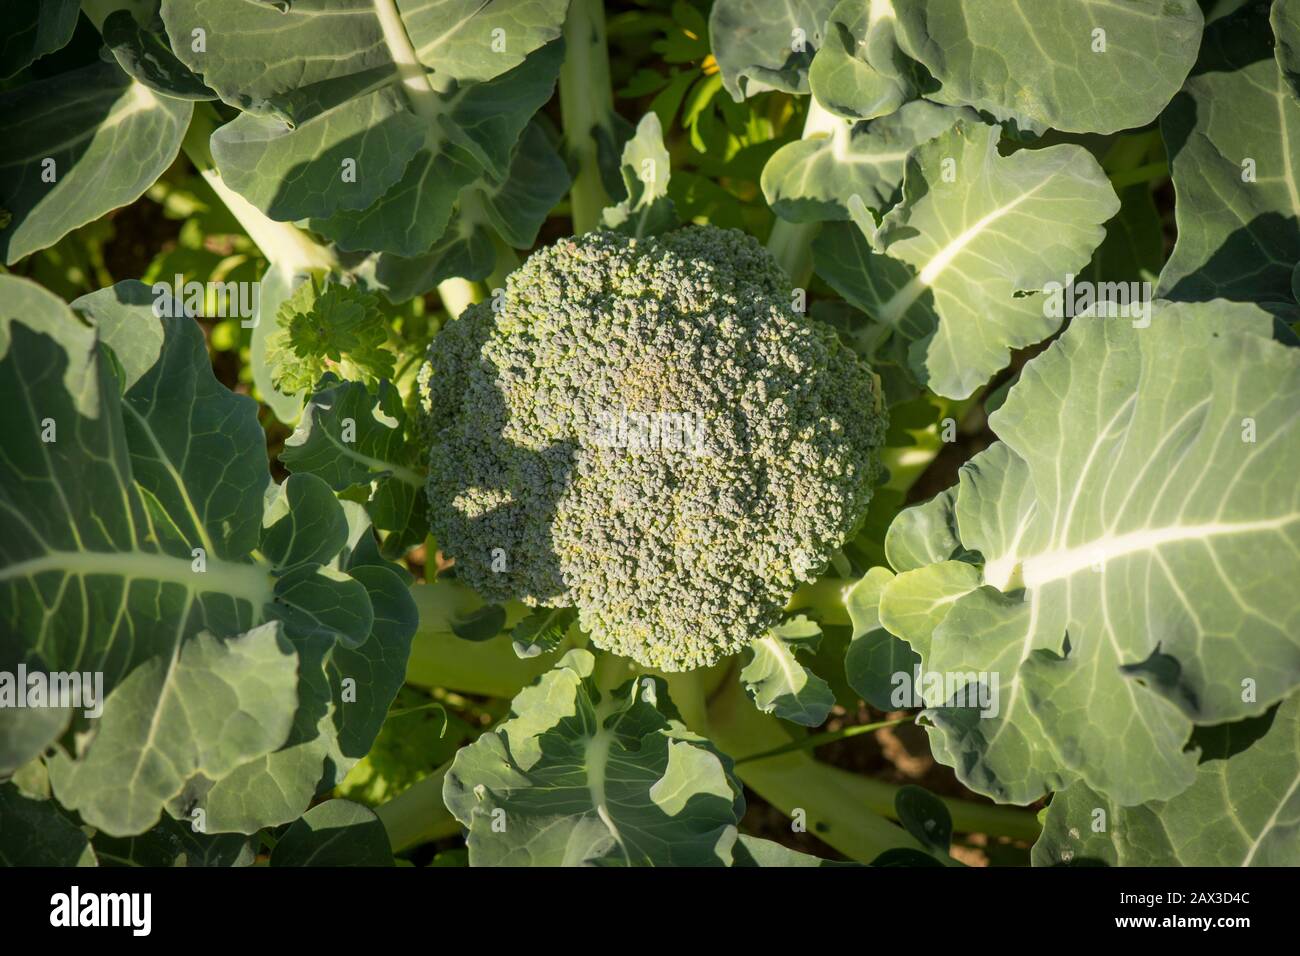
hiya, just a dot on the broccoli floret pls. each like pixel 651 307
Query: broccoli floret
pixel 645 430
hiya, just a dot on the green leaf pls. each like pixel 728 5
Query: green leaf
pixel 766 44
pixel 481 624
pixel 1231 136
pixel 753 851
pixel 1077 65
pixel 859 72
pixel 1285 18
pixel 354 437
pixel 1242 809
pixel 542 630
pixel 811 180
pixel 472 141
pixel 34 28
pixel 924 816
pixel 905 857
pixel 513 209
pixel 924 534
pixel 342 124
pixel 328 327
pixel 277 284
pixel 344 694
pixel 74 147
pixel 579 776
pixel 1137 526
pixel 335 833
pixel 174 843
pixel 779 684
pixel 215 704
pixel 146 55
pixel 38 833
pixel 875 657
pixel 956 268
pixel 647 209
pixel 25 734
pixel 136 489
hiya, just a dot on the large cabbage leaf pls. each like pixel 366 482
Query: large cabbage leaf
pixel 1233 137
pixel 954 269
pixel 1078 65
pixel 584 776
pixel 1243 808
pixel 1122 562
pixel 146 542
pixel 369 118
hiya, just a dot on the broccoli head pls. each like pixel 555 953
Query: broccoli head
pixel 645 429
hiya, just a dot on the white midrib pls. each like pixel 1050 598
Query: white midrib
pixel 415 82
pixel 247 582
pixel 783 660
pixel 139 99
pixel 1272 821
pixel 1039 569
pixel 403 474
pixel 903 299
pixel 597 767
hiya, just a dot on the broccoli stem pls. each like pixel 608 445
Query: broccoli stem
pixel 417 814
pixel 822 599
pixel 281 242
pixel 586 106
pixel 908 463
pixel 441 659
pixel 843 809
pixel 791 242
pixel 458 294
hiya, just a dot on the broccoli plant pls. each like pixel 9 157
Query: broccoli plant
pixel 554 425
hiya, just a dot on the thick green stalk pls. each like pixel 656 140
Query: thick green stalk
pixel 458 294
pixel 441 659
pixel 823 598
pixel 282 243
pixel 791 242
pixel 586 105
pixel 417 814
pixel 843 809
pixel 908 463
pixel 849 809
pixel 507 261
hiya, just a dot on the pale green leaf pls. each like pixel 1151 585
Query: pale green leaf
pixel 780 685
pixel 1138 529
pixel 74 147
pixel 1243 809
pixel 1232 138
pixel 578 777
pixel 647 209
pixel 959 265
pixel 875 658
pixel 766 44
pixel 812 180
